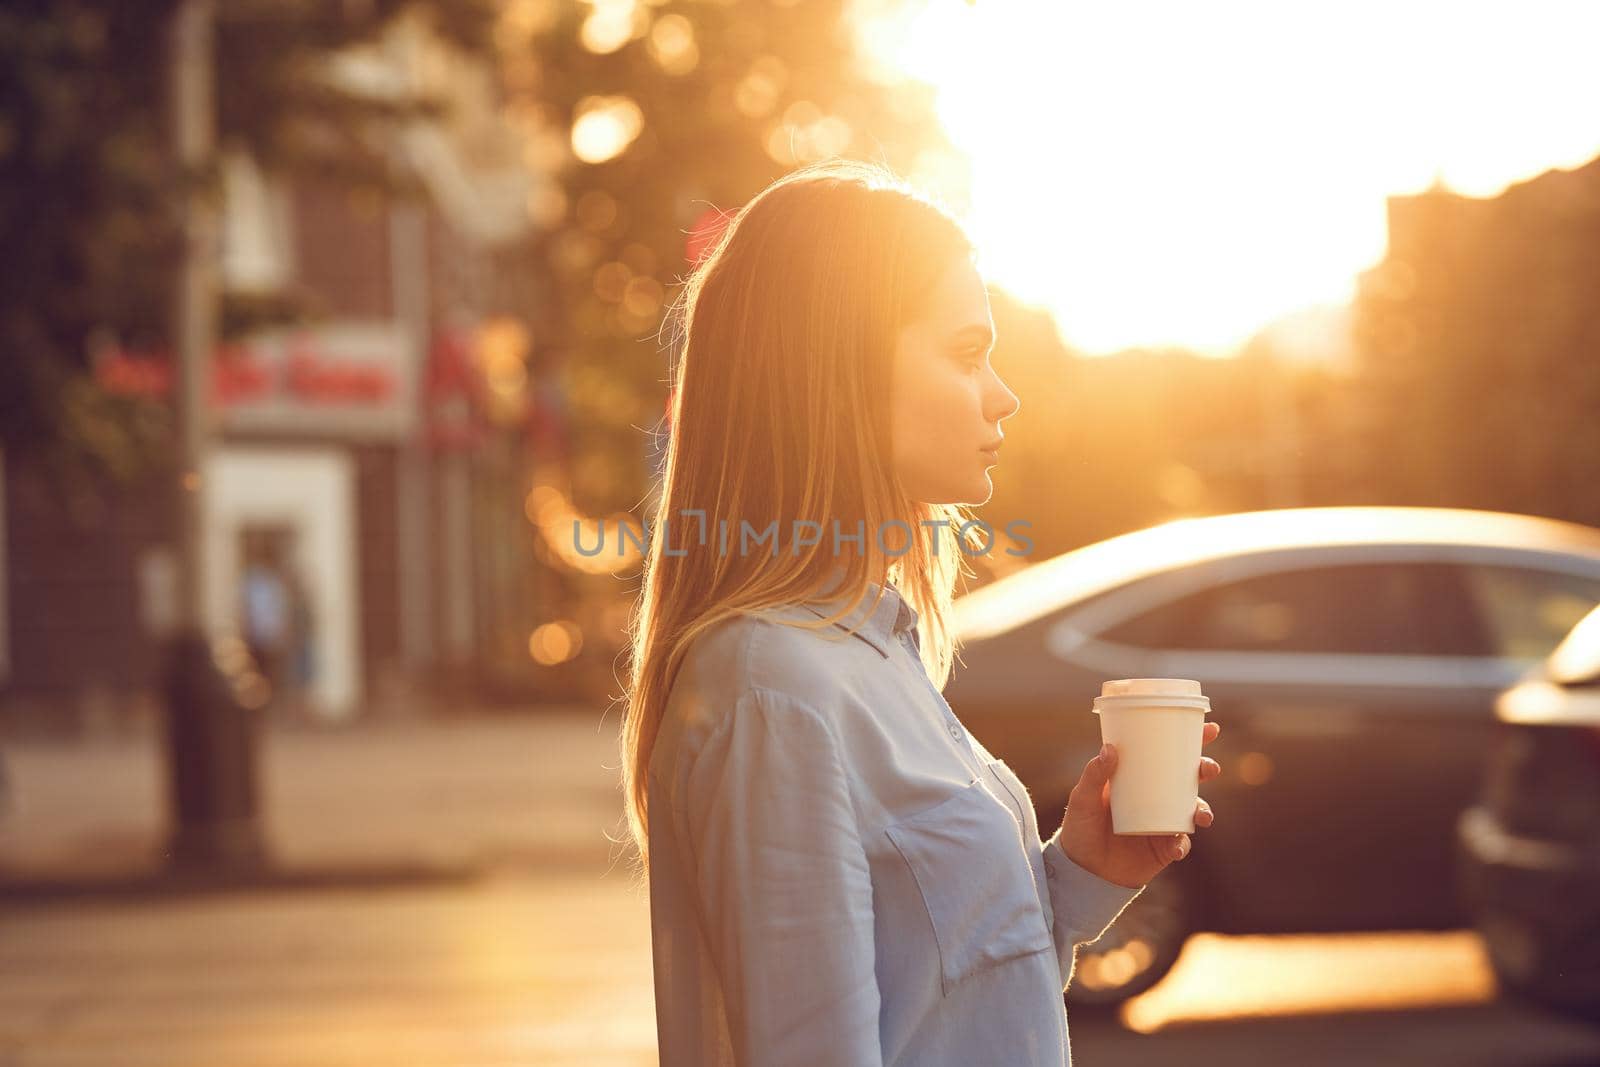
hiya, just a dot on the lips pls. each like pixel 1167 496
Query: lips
pixel 992 446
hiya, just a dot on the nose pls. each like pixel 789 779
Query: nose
pixel 1000 403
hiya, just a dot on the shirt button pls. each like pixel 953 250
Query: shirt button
pixel 955 731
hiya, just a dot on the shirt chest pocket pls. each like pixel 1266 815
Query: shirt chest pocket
pixel 966 856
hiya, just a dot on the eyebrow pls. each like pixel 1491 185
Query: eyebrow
pixel 976 330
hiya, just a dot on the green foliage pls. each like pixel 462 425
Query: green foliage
pixel 89 195
pixel 84 217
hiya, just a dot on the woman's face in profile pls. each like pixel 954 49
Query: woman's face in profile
pixel 947 401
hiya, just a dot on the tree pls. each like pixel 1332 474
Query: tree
pixel 88 192
pixel 659 118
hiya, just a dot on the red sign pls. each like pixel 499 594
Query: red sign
pixel 345 379
pixel 238 376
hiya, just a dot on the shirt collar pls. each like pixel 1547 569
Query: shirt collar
pixel 876 624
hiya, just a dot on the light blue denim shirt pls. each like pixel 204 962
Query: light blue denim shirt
pixel 841 875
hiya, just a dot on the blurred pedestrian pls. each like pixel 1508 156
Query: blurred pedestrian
pixel 839 873
pixel 267 619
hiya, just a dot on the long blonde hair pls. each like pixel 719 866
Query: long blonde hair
pixel 781 413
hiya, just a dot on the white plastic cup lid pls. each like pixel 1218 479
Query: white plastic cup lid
pixel 1150 687
pixel 1151 692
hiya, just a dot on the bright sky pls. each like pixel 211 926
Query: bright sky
pixel 1183 173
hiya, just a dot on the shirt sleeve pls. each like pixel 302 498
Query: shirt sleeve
pixel 1085 904
pixel 784 889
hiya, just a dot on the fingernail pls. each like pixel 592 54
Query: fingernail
pixel 1105 751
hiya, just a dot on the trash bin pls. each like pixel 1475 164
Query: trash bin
pixel 212 758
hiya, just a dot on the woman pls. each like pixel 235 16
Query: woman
pixel 839 873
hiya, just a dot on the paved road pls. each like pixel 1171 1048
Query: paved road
pixel 502 971
pixel 542 955
pixel 522 970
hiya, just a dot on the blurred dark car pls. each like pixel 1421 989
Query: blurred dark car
pixel 1353 657
pixel 1530 850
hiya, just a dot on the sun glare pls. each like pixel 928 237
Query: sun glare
pixel 1184 174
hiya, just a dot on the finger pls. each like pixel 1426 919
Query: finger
pixel 1210 733
pixel 1096 774
pixel 1203 815
pixel 1179 847
pixel 1209 768
pixel 1160 849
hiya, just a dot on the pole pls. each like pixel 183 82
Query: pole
pixel 195 306
pixel 211 735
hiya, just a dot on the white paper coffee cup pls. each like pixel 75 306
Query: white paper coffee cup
pixel 1157 726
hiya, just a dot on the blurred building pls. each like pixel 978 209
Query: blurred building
pixel 1478 336
pixel 349 454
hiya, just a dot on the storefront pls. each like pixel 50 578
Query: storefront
pixel 306 523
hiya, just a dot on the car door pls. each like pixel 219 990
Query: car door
pixel 1342 704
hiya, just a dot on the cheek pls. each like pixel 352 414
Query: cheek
pixel 928 417
pixel 948 403
pixel 918 408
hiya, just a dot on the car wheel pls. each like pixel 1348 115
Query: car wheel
pixel 1139 948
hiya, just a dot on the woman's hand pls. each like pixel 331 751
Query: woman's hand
pixel 1130 862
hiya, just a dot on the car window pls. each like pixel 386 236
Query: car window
pixel 1381 609
pixel 1527 612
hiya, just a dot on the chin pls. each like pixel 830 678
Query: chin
pixel 969 492
pixel 973 495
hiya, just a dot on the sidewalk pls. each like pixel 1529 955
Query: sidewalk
pixel 538 953
pixel 532 791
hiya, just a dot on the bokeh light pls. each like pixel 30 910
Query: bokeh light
pixel 555 642
pixel 503 347
pixel 759 90
pixel 611 24
pixel 672 44
pixel 604 127
pixel 573 537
